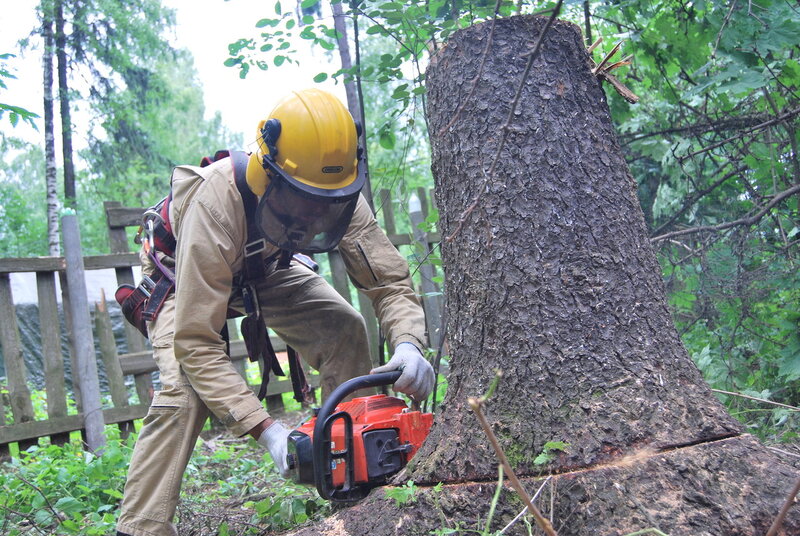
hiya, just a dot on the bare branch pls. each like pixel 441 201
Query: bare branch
pixel 748 397
pixel 776 525
pixel 696 197
pixel 542 521
pixel 780 119
pixel 750 220
pixel 722 28
pixel 734 123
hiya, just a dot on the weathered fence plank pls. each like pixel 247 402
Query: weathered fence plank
pixel 387 209
pixel 83 340
pixel 118 218
pixel 431 300
pixel 143 362
pixel 108 353
pixel 56 264
pixel 18 393
pixel 50 331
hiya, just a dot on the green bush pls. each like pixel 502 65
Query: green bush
pixel 64 489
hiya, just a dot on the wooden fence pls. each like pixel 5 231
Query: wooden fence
pixel 137 362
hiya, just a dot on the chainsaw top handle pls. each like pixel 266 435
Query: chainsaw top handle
pixel 352 385
pixel 322 430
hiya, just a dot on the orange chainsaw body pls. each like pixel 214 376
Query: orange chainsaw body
pixel 367 440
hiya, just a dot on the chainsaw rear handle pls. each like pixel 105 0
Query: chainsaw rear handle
pixel 322 455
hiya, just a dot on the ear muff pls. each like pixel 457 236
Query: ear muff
pixel 270 133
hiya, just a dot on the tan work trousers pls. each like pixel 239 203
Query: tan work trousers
pixel 307 313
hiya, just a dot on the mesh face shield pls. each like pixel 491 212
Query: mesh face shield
pixel 297 220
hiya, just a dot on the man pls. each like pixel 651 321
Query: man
pixel 305 174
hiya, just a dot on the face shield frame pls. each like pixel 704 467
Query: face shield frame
pixel 302 218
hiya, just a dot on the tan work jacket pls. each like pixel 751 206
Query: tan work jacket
pixel 208 221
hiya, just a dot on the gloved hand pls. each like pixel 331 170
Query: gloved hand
pixel 274 439
pixel 418 379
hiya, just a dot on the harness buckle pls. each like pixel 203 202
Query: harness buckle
pixel 147 285
pixel 250 300
pixel 255 247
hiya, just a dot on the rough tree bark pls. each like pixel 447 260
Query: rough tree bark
pixel 551 278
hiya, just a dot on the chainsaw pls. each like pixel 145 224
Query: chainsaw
pixel 348 448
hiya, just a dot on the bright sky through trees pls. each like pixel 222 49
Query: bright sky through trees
pixel 204 27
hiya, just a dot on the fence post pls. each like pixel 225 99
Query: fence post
pixel 82 334
pixel 430 293
pixel 4 450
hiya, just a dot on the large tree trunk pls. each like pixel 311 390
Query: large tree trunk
pixel 550 278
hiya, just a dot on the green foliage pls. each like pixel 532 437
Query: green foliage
pixel 15 113
pixel 139 104
pixel 548 452
pixel 64 490
pixel 23 222
pixel 290 506
pixel 144 137
pixel 712 140
pixel 242 472
pixel 403 495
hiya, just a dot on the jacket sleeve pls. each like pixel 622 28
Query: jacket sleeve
pixel 381 273
pixel 205 254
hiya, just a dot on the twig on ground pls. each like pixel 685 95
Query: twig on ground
pixel 476 404
pixel 787 453
pixel 776 525
pixel 59 517
pixel 27 517
pixel 740 395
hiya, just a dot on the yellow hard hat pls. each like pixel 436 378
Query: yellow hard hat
pixel 306 172
pixel 312 137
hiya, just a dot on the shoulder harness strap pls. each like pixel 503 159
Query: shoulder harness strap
pixel 254 330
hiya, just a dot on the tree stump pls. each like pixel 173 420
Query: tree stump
pixel 550 278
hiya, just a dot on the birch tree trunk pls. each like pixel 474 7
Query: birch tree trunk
pixel 51 178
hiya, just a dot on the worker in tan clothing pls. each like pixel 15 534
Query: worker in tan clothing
pixel 306 181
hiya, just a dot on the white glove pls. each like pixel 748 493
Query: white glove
pixel 274 439
pixel 417 379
